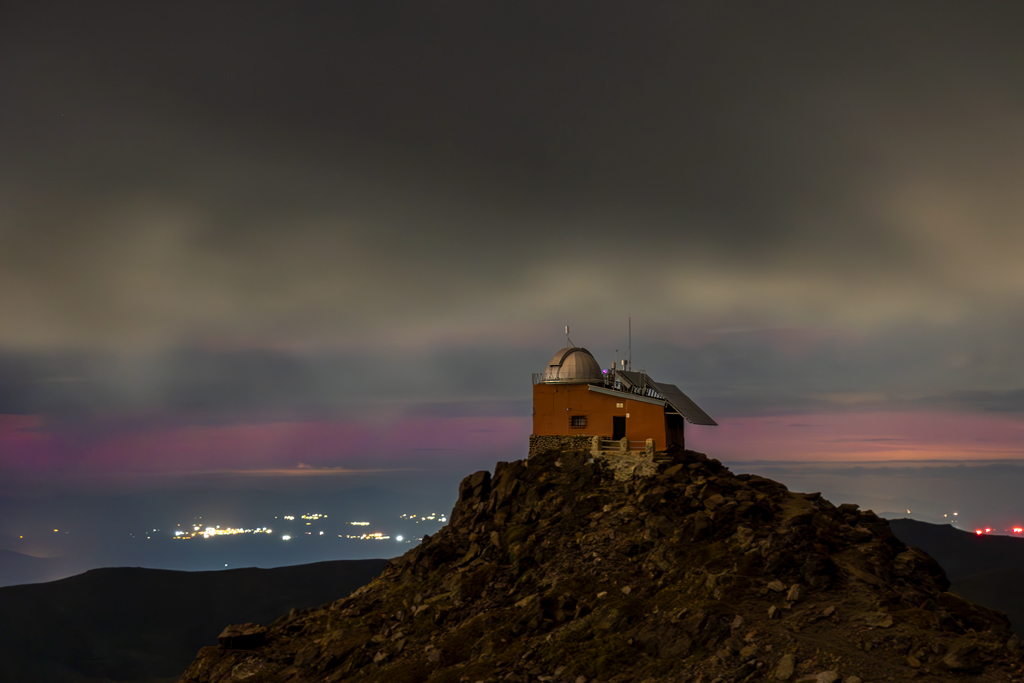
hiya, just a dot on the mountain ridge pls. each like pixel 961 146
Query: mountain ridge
pixel 571 566
pixel 136 624
pixel 20 568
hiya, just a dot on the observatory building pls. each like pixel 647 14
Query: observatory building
pixel 574 396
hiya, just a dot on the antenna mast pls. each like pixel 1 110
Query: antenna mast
pixel 569 341
pixel 631 343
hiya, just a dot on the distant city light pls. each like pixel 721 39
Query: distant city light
pixel 198 529
pixel 1018 530
pixel 376 536
pixel 432 517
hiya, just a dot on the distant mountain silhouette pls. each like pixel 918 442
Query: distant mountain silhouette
pixel 132 624
pixel 988 570
pixel 18 568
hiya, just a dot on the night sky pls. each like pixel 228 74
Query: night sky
pixel 280 238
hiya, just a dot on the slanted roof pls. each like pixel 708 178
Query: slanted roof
pixel 675 398
pixel 683 404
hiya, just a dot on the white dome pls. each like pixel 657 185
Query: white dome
pixel 572 365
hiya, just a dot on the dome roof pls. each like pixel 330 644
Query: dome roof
pixel 572 365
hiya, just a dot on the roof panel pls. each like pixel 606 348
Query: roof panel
pixel 635 379
pixel 683 404
pixel 679 401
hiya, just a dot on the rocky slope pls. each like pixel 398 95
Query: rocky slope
pixel 568 569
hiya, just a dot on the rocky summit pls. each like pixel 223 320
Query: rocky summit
pixel 573 567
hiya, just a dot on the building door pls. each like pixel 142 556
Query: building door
pixel 618 427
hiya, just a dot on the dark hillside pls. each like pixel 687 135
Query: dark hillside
pixel 131 624
pixel 961 553
pixel 988 570
pixel 999 589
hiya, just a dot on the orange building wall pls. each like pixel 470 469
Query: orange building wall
pixel 554 404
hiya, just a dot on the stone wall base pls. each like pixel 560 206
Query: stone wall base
pixel 625 464
pixel 540 443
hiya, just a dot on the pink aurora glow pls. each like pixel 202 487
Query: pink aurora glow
pixel 25 446
pixel 856 437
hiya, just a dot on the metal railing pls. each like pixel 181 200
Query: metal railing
pixel 615 444
pixel 604 381
pixel 608 381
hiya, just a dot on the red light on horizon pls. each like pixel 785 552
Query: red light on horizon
pixel 979 531
pixel 1018 530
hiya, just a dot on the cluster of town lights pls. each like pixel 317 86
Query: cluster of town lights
pixel 375 536
pixel 211 531
pixel 199 530
pixel 432 517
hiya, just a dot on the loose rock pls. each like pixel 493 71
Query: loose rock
pixel 784 669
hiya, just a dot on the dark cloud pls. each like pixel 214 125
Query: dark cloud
pixel 768 372
pixel 244 209
pixel 984 401
pixel 196 385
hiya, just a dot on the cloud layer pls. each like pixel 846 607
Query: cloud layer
pixel 244 214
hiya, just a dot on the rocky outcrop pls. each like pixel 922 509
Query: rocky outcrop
pixel 555 569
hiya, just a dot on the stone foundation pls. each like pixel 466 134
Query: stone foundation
pixel 625 464
pixel 546 442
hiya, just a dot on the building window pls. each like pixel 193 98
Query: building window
pixel 577 421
